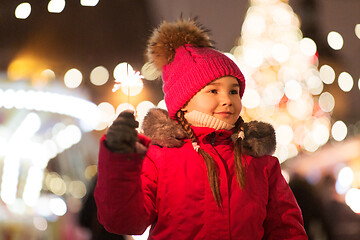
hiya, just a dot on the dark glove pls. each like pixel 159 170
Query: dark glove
pixel 121 136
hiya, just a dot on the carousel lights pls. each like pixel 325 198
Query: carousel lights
pixel 33 186
pixel 27 128
pixel 86 111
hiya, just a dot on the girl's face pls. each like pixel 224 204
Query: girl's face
pixel 219 99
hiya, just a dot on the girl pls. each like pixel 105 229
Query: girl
pixel 201 172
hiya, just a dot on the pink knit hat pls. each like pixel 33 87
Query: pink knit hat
pixel 188 63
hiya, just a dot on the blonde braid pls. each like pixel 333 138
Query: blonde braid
pixel 209 161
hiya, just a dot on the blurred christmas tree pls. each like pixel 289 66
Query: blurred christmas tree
pixel 283 86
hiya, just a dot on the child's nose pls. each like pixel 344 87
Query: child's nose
pixel 226 100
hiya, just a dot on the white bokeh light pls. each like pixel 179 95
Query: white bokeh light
pixel 73 78
pixel 89 3
pixel 293 89
pixel 58 206
pixel 345 81
pixel 280 53
pixel 344 180
pixel 308 47
pixel 327 74
pixel 352 199
pixel 251 98
pixel 124 106
pixel 339 131
pixel 99 76
pixel 357 30
pixel 326 102
pixel 284 134
pixel 335 40
pixel 23 10
pixel 56 6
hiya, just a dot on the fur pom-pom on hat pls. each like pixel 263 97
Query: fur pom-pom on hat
pixel 169 36
pixel 183 53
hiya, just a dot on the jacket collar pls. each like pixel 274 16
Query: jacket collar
pixel 202 132
pixel 259 136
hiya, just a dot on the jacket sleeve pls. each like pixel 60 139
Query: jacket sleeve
pixel 284 219
pixel 125 191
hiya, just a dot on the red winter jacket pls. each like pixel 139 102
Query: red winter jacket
pixel 168 188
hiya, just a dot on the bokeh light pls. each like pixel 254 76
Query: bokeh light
pixel 352 198
pixel 77 189
pixel 47 74
pixel 335 40
pixel 251 98
pixel 89 3
pixel 99 76
pixel 327 74
pixel 293 90
pixel 73 78
pixel 142 109
pixel 58 206
pixel 280 53
pixel 357 30
pixel 150 72
pixel 23 10
pixel 345 81
pixel 344 180
pixel 56 6
pixel 40 223
pixel 339 130
pixel 107 112
pixel 308 47
pixel 124 106
pixel 326 102
pixel 284 134
pixel 162 104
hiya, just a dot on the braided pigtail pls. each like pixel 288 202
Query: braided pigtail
pixel 209 161
pixel 239 167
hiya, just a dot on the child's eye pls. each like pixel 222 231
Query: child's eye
pixel 213 91
pixel 234 92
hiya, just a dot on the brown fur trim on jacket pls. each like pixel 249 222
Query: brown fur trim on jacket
pixel 259 136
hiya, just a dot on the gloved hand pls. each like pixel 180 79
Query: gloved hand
pixel 121 136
